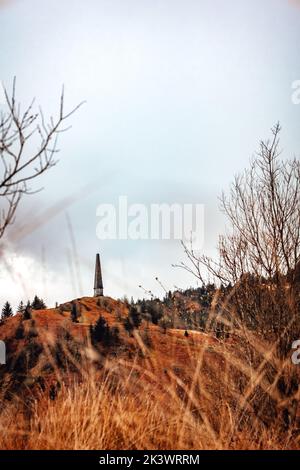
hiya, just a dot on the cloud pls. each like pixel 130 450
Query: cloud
pixel 22 277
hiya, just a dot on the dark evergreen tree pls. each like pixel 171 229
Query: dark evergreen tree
pixel 100 330
pixel 20 331
pixel 21 307
pixel 134 316
pixel 156 311
pixel 6 311
pixel 143 306
pixel 38 304
pixel 33 333
pixel 128 325
pixel 74 313
pixel 27 312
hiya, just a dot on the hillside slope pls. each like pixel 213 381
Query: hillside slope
pixel 147 387
pixel 50 344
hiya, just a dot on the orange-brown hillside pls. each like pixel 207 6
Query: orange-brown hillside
pixel 32 354
pixel 152 388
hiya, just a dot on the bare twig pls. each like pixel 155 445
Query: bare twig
pixel 20 164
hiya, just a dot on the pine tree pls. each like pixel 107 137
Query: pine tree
pixel 20 331
pixel 101 333
pixel 100 330
pixel 21 307
pixel 156 311
pixel 38 304
pixel 74 313
pixel 134 316
pixel 143 306
pixel 33 333
pixel 27 312
pixel 128 325
pixel 6 311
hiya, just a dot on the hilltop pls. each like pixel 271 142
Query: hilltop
pixel 133 375
pixel 51 344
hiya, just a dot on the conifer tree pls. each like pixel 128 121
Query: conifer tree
pixel 134 316
pixel 20 331
pixel 38 304
pixel 99 330
pixel 101 333
pixel 128 325
pixel 21 307
pixel 6 311
pixel 27 312
pixel 74 313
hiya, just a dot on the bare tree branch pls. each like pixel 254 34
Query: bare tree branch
pixel 20 132
pixel 260 256
pixel 263 208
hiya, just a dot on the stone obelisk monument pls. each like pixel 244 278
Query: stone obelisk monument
pixel 98 284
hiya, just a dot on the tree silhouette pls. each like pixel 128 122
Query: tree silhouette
pixel 38 304
pixel 27 312
pixel 134 316
pixel 100 333
pixel 74 313
pixel 6 311
pixel 103 334
pixel 20 331
pixel 128 325
pixel 21 307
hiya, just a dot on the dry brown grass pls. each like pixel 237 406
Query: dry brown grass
pixel 214 395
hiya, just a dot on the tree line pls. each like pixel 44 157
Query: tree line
pixel 25 309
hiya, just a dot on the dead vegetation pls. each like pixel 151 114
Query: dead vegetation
pixel 177 392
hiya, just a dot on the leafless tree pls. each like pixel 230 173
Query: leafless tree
pixel 262 247
pixel 28 148
pixel 263 209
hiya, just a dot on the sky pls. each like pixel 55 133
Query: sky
pixel 178 95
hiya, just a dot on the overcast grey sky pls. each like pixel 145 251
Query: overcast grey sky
pixel 178 93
